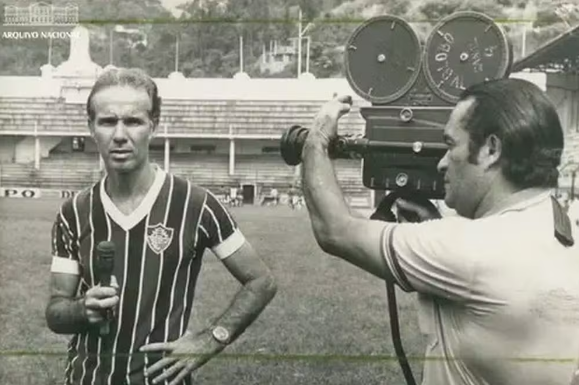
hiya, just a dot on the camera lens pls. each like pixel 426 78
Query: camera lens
pixel 292 143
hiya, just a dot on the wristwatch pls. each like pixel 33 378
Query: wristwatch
pixel 221 335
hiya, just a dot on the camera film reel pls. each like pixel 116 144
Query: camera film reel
pixel 382 59
pixel 464 49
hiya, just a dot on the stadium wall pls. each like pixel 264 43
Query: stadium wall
pixel 22 149
pixel 8 148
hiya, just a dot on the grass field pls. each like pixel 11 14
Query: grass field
pixel 328 323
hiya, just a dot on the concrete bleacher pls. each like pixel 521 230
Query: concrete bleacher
pixel 58 171
pixel 209 171
pixel 245 117
pixel 267 169
pixel 200 108
pixel 42 114
pixel 18 175
pixel 181 117
pixel 212 171
pixel 349 175
pixel 57 174
pixel 76 170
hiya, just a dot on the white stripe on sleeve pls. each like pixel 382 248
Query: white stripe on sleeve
pixel 230 245
pixel 64 265
pixel 390 255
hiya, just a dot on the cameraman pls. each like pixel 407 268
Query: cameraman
pixel 498 291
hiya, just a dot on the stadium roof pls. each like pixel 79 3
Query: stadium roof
pixel 560 54
pixel 191 88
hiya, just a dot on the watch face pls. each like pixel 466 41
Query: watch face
pixel 465 49
pixel 221 334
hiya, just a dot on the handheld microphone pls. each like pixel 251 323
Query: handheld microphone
pixel 106 261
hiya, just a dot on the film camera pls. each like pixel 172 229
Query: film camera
pixel 413 88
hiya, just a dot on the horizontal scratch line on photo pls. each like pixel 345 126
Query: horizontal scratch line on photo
pixel 270 21
pixel 295 357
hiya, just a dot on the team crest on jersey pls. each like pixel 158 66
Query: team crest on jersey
pixel 159 237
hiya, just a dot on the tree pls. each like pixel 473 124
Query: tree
pixel 212 48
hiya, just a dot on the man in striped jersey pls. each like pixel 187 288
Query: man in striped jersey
pixel 160 225
pixel 497 285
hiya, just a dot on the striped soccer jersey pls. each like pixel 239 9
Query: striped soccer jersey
pixel 159 249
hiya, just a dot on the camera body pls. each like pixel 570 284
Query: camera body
pixel 413 87
pixel 413 146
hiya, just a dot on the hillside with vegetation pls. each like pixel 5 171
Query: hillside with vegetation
pixel 208 32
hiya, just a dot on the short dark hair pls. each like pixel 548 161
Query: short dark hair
pixel 132 77
pixel 523 117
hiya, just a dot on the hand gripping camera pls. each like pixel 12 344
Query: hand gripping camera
pixel 413 88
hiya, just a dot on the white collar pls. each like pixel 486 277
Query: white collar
pixel 127 222
pixel 521 200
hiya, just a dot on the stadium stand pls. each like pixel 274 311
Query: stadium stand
pixel 256 125
pixel 220 133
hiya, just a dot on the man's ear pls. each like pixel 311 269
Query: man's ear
pixel 491 151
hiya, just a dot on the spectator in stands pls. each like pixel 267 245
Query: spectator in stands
pixel 274 196
pixel 233 195
pixel 224 194
pixel 498 287
pixel 161 225
pixel 293 196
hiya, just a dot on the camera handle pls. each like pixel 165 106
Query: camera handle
pixel 384 213
pixel 395 331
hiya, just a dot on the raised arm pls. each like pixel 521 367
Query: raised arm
pixel 338 232
pixel 429 257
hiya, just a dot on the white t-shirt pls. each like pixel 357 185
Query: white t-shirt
pixel 498 296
